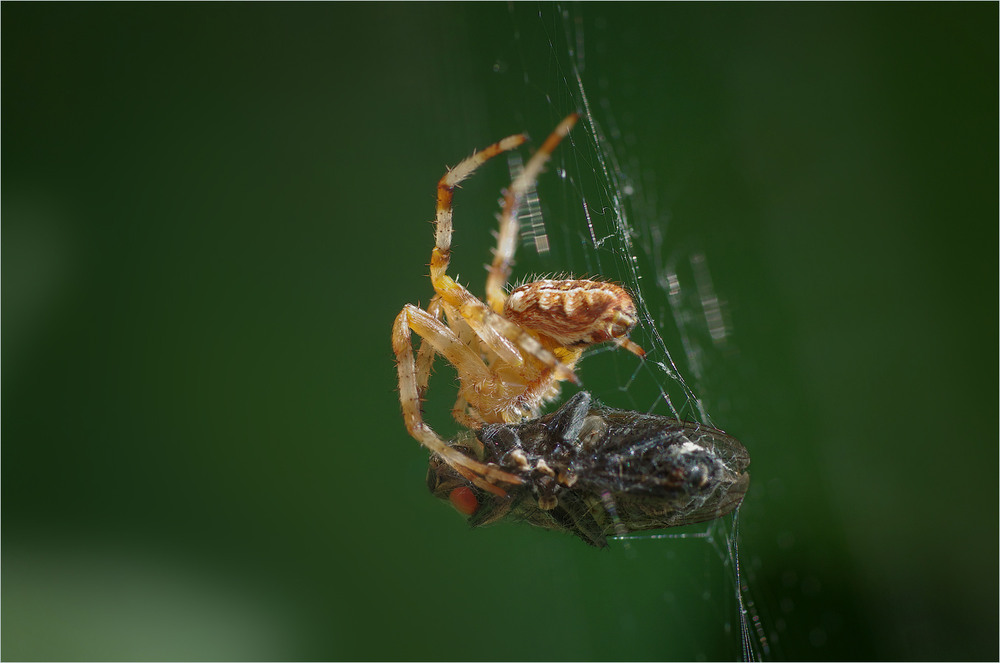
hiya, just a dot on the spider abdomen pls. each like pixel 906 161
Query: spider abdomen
pixel 573 312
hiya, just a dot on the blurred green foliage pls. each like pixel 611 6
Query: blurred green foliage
pixel 212 213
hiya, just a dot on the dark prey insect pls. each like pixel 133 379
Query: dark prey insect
pixel 595 472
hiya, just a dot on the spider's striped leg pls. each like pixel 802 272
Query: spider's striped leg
pixel 444 341
pixel 441 254
pixel 505 339
pixel 460 412
pixel 500 339
pixel 425 355
pixel 503 255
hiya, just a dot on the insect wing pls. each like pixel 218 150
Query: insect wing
pixel 675 472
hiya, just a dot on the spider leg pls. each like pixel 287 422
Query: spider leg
pixel 465 304
pixel 448 344
pixel 425 355
pixel 461 412
pixel 503 255
pixel 503 341
pixel 504 338
pixel 501 336
pixel 509 356
pixel 441 255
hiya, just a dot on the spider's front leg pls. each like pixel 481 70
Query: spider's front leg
pixel 446 342
pixel 502 337
pixel 507 234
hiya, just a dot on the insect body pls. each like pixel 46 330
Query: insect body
pixel 595 471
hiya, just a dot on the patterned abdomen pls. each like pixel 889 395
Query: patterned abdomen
pixel 574 313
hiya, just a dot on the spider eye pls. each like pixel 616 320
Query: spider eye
pixel 464 500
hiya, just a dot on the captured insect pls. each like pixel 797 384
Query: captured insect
pixel 595 471
pixel 512 351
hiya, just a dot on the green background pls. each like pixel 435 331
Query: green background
pixel 212 213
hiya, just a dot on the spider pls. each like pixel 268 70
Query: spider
pixel 512 351
pixel 594 471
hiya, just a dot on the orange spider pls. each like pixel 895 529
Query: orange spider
pixel 511 352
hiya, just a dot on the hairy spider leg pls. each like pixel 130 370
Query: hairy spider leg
pixel 446 342
pixel 503 255
pixel 512 391
pixel 499 334
pixel 425 362
pixel 446 192
pixel 507 234
pixel 505 409
pixel 425 355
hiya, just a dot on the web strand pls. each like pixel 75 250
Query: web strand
pixel 682 316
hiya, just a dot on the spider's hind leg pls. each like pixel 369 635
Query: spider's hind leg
pixel 444 341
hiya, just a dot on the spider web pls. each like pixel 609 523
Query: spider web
pixel 599 217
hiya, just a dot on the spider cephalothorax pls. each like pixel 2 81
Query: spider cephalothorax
pixel 511 351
